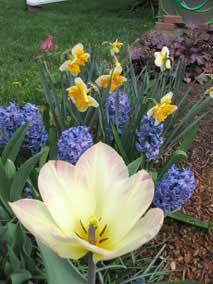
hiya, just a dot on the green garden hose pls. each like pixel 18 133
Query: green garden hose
pixel 182 4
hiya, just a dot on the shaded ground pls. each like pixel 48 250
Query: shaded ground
pixel 190 250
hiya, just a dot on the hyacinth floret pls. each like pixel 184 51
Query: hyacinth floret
pixel 12 117
pixel 149 139
pixel 117 103
pixel 73 143
pixel 36 135
pixel 174 189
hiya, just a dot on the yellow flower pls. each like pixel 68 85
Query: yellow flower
pixel 209 92
pixel 163 109
pixel 80 56
pixel 116 46
pixel 115 78
pixel 91 207
pixel 162 59
pixel 72 66
pixel 79 97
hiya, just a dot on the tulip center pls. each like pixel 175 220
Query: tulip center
pixel 93 231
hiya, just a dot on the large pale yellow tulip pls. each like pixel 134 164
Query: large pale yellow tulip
pixel 96 192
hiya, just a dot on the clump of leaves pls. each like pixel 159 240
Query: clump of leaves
pixel 193 47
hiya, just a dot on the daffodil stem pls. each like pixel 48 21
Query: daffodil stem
pixel 91 270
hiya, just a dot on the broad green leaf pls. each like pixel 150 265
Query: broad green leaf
pixel 12 148
pixel 22 176
pixel 119 143
pixel 135 165
pixel 44 157
pixel 4 189
pixel 58 269
pixel 175 158
pixel 190 220
pixel 187 141
pixel 179 282
pixel 19 277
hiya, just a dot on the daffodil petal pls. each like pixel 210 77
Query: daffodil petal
pixel 165 51
pixel 63 67
pixel 76 47
pixel 168 64
pixel 145 230
pixel 103 81
pixel 94 102
pixel 133 195
pixel 36 218
pixel 64 194
pixel 101 167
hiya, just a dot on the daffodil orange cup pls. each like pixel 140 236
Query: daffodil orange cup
pixel 99 193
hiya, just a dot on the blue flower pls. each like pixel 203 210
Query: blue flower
pixel 36 135
pixel 174 189
pixel 149 137
pixel 28 192
pixel 10 119
pixel 73 143
pixel 117 103
pixel 139 280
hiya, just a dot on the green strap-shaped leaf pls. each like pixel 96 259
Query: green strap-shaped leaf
pixel 21 177
pixel 135 165
pixel 174 159
pixel 190 220
pixel 12 148
pixel 119 143
pixel 20 277
pixel 58 269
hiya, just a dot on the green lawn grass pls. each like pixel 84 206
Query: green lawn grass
pixel 88 21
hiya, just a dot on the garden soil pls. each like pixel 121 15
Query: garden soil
pixel 189 251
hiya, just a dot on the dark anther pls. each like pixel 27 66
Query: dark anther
pixel 103 240
pixel 82 226
pixel 103 231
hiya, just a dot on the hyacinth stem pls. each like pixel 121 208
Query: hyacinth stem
pixel 91 264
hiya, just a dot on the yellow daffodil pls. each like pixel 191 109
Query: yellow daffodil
pixel 115 78
pixel 80 55
pixel 71 66
pixel 95 194
pixel 163 109
pixel 115 47
pixel 209 92
pixel 79 97
pixel 162 59
pixel 78 58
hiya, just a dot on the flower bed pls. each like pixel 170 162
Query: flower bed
pixel 118 140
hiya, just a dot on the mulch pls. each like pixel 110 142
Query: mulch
pixel 189 251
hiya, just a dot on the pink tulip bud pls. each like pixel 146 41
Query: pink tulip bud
pixel 47 45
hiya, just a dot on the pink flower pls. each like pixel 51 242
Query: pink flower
pixel 47 45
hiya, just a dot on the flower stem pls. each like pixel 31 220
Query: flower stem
pixel 91 270
pixel 91 264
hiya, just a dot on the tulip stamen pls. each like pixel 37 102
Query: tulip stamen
pixel 79 236
pixel 103 231
pixel 103 240
pixel 83 228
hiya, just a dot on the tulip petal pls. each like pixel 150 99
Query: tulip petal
pixel 131 199
pixel 101 167
pixel 64 195
pixel 144 231
pixel 36 218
